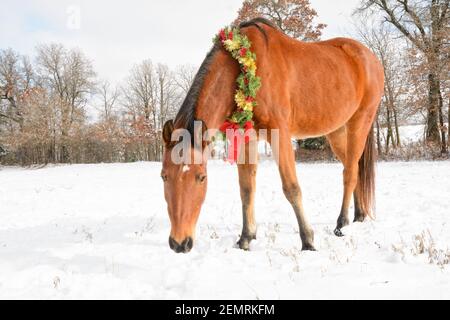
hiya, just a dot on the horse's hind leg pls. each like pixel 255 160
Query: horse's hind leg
pixel 338 143
pixel 247 182
pixel 284 155
pixel 360 215
pixel 357 130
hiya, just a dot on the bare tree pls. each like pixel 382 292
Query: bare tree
pixel 170 93
pixel 69 76
pixel 139 90
pixel 109 98
pixel 140 99
pixel 151 96
pixel 184 77
pixel 106 132
pixel 391 54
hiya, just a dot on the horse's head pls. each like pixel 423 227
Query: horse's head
pixel 185 185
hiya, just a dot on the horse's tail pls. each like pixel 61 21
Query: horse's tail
pixel 365 189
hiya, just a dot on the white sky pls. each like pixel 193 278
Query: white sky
pixel 115 35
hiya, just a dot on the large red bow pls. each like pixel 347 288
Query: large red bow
pixel 236 136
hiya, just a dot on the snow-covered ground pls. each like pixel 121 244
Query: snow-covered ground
pixel 101 231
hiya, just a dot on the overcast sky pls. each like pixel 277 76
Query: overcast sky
pixel 115 35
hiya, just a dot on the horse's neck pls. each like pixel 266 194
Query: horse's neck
pixel 216 100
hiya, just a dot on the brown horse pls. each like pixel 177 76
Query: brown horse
pixel 330 88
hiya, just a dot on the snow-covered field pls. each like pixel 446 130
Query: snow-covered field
pixel 101 231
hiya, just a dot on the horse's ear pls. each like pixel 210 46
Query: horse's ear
pixel 167 132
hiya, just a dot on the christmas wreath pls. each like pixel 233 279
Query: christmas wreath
pixel 248 85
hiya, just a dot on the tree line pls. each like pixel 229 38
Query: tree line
pixel 46 103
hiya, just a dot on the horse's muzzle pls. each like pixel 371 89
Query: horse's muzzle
pixel 185 247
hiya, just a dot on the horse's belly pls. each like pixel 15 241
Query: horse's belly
pixel 321 120
pixel 323 109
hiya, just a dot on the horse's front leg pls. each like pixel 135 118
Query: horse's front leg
pixel 284 155
pixel 247 181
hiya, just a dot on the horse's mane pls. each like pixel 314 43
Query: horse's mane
pixel 186 115
pixel 257 23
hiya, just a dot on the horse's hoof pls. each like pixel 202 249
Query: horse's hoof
pixel 359 219
pixel 342 223
pixel 244 243
pixel 308 247
pixel 338 233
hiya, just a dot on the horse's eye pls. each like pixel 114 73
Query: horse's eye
pixel 164 178
pixel 201 178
